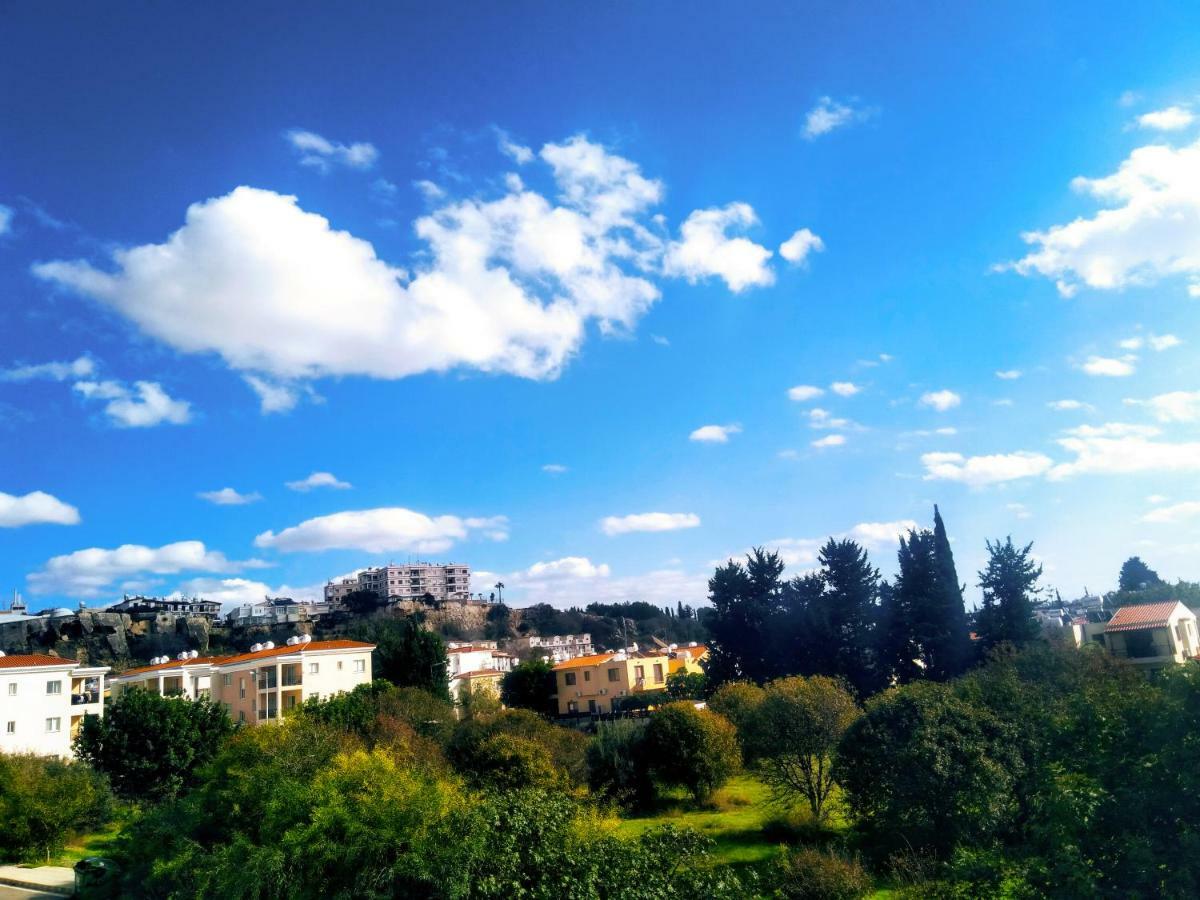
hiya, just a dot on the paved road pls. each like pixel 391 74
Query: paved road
pixel 8 892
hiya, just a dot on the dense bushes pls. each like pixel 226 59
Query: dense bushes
pixel 149 746
pixel 43 801
pixel 810 874
pixel 304 809
pixel 695 749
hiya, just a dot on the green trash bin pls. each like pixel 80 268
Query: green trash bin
pixel 96 877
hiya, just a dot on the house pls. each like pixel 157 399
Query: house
pixel 557 647
pixel 591 684
pixel 272 611
pixel 476 664
pixel 188 675
pixel 1153 635
pixel 267 682
pixel 43 700
pixel 146 607
pixel 689 659
pixel 262 684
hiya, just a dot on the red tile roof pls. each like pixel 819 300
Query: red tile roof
pixel 286 650
pixel 1145 615
pixel 21 660
pixel 478 673
pixel 173 664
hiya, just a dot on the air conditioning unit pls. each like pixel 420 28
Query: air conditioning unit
pixel 603 692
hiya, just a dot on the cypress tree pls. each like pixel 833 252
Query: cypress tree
pixel 947 648
pixel 911 620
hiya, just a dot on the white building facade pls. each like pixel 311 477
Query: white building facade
pixel 480 663
pixel 43 700
pixel 449 581
pixel 557 647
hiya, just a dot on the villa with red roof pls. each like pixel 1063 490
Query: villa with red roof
pixel 1153 635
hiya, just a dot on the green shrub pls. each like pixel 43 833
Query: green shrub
pixel 695 749
pixel 43 801
pixel 616 764
pixel 809 874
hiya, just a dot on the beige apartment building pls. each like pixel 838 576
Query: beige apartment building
pixel 590 684
pixel 263 684
pixel 449 581
pixel 1153 635
pixel 43 700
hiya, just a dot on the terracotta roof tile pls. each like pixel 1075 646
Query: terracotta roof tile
pixel 172 664
pixel 285 650
pixel 21 660
pixel 1145 615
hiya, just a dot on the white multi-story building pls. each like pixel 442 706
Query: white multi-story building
pixel 442 582
pixel 557 647
pixel 43 700
pixel 263 684
pixel 472 665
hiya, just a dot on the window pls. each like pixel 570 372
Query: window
pixel 12 689
pixel 658 671
pixel 592 707
pixel 614 674
pixel 339 665
pixel 242 688
pixel 11 728
pixel 53 687
pixel 639 672
pixel 360 665
pixel 53 725
pixel 569 678
pixel 314 668
pixel 227 680
pixel 241 715
pixel 587 675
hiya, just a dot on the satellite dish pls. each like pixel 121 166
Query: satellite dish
pixel 269 645
pixel 254 648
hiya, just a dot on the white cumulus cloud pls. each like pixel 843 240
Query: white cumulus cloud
pixel 804 392
pixel 1173 514
pixel 568 567
pixel 941 400
pixel 229 497
pixel 83 367
pixel 705 249
pixel 1173 406
pixel 830 440
pixel 651 521
pixel 1147 229
pixel 318 480
pixel 382 530
pixel 144 405
pixel 977 471
pixel 321 153
pixel 1008 374
pixel 554 468
pixel 35 508
pixel 1172 118
pixel 714 434
pixel 1118 448
pixel 1110 367
pixel 797 248
pixel 91 572
pixel 845 388
pixel 829 115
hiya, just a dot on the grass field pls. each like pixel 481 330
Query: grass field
pixel 98 843
pixel 734 820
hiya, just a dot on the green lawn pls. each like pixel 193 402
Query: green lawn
pixel 98 843
pixel 734 820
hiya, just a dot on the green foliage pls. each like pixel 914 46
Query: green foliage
pixel 695 749
pixel 1009 584
pixel 811 874
pixel 406 654
pixel 565 748
pixel 799 725
pixel 43 801
pixel 683 685
pixel 508 762
pixel 1135 575
pixel 530 685
pixel 738 701
pixel 928 768
pixel 152 747
pixel 380 712
pixel 747 602
pixel 617 766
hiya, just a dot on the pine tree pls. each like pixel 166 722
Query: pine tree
pixel 1136 575
pixel 746 602
pixel 948 644
pixel 906 643
pixel 1009 583
pixel 851 588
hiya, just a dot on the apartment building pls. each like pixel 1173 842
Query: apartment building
pixel 450 581
pixel 143 607
pixel 189 675
pixel 472 665
pixel 557 647
pixel 267 682
pixel 1153 635
pixel 689 658
pixel 591 684
pixel 43 700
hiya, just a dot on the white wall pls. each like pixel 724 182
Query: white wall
pixel 32 706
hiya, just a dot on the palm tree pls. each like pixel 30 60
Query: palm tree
pixel 499 591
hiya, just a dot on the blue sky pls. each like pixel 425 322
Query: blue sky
pixel 591 298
